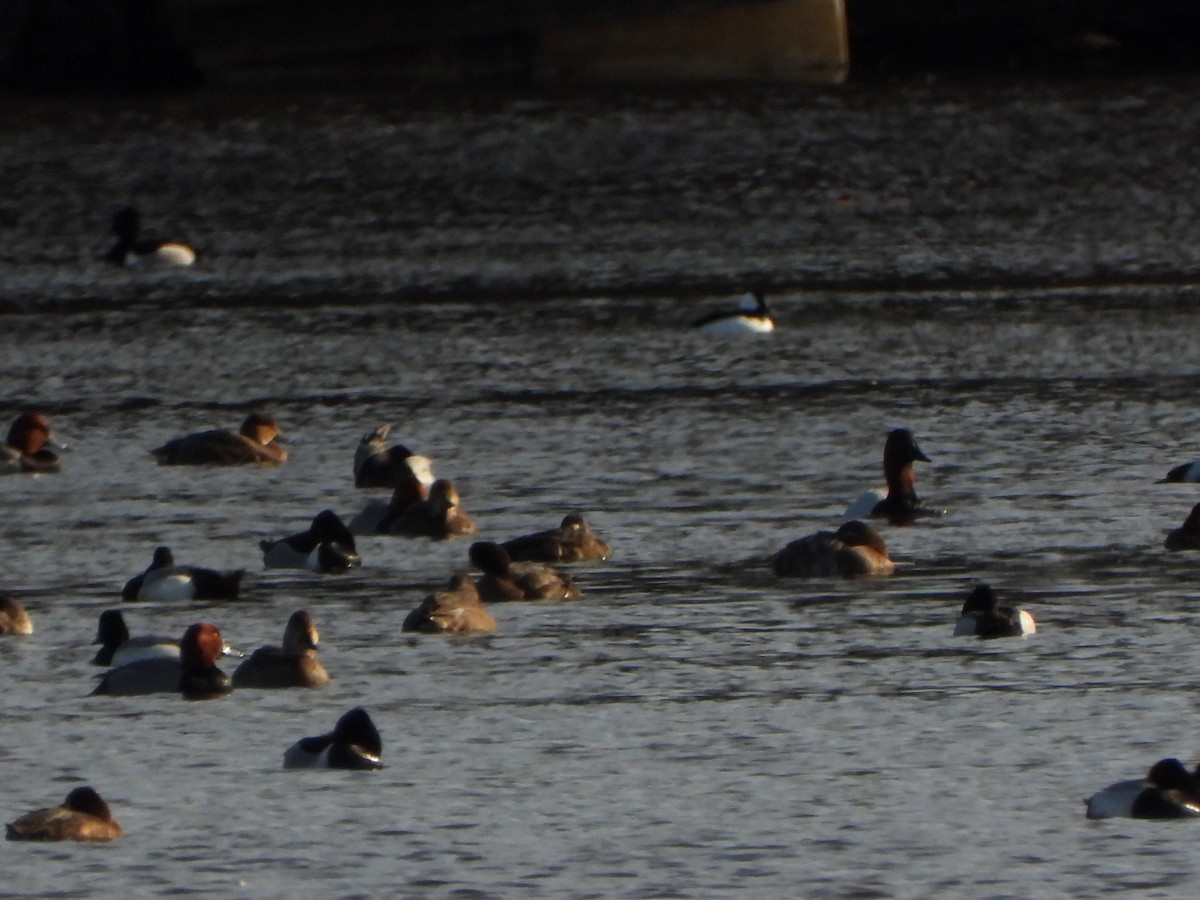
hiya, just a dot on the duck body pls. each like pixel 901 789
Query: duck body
pixel 83 816
pixel 14 619
pixel 253 444
pixel 854 549
pixel 900 504
pixel 504 580
pixel 194 674
pixel 751 317
pixel 163 581
pixel 438 517
pixel 29 448
pixel 326 546
pixel 456 609
pixel 117 647
pixel 354 743
pixel 572 541
pixel 131 251
pixel 294 664
pixel 1187 473
pixel 1168 791
pixel 984 617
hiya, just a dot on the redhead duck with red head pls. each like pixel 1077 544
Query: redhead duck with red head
pixel 83 816
pixel 253 444
pixel 194 674
pixel 900 505
pixel 29 447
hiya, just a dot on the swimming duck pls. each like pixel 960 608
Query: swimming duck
pixel 83 816
pixel 984 617
pixel 854 549
pixel 253 444
pixel 13 617
pixel 165 581
pixel 353 744
pixel 900 505
pixel 117 647
pixel 194 674
pixel 412 477
pixel 1187 472
pixel 438 517
pixel 751 317
pixel 295 664
pixel 1169 791
pixel 29 447
pixel 1187 535
pixel 572 541
pixel 327 546
pixel 376 465
pixel 133 253
pixel 456 609
pixel 504 579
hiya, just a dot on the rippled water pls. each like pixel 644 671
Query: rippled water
pixel 508 281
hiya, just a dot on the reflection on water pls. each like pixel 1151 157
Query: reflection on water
pixel 694 725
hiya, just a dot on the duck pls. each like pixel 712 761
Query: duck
pixel 455 609
pixel 376 465
pixel 163 581
pixel 130 252
pixel 854 549
pixel 504 579
pixel 437 517
pixel 117 647
pixel 984 617
pixel 412 478
pixel 194 674
pixel 14 619
pixel 30 448
pixel 295 664
pixel 354 743
pixel 1185 473
pixel 1187 535
pixel 900 505
pixel 1169 791
pixel 751 317
pixel 83 816
pixel 327 546
pixel 255 443
pixel 572 541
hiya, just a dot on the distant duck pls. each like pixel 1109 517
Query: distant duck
pixel 117 647
pixel 1187 472
pixel 1169 791
pixel 412 477
pixel 1187 535
pixel 133 253
pixel 572 541
pixel 253 444
pixel 13 617
pixel 327 546
pixel 984 617
pixel 854 549
pixel 455 609
pixel 504 579
pixel 438 517
pixel 294 664
pixel 29 447
pixel 83 816
pixel 751 317
pixel 900 505
pixel 376 465
pixel 194 674
pixel 163 581
pixel 354 743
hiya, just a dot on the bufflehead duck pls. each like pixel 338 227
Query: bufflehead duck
pixel 900 505
pixel 1169 791
pixel 437 517
pixel 854 549
pixel 1187 535
pixel 165 581
pixel 751 317
pixel 29 447
pixel 133 253
pixel 194 675
pixel 253 444
pixel 354 743
pixel 455 609
pixel 504 579
pixel 327 546
pixel 13 617
pixel 83 816
pixel 572 541
pixel 984 617
pixel 294 664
